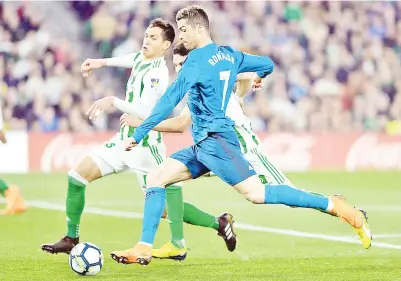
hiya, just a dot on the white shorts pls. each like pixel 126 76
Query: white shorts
pixel 112 158
pixel 265 168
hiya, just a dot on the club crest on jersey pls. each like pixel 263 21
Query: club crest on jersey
pixel 154 82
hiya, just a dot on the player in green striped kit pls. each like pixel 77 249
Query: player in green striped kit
pixel 14 202
pixel 149 80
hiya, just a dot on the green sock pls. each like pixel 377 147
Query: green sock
pixel 3 187
pixel 193 215
pixel 75 203
pixel 175 210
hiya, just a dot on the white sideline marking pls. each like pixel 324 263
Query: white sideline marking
pixel 288 232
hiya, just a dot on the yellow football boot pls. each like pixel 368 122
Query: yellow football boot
pixel 365 233
pixel 169 251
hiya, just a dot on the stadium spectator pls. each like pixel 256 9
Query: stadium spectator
pixel 337 62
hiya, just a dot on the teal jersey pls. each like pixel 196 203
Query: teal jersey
pixel 208 76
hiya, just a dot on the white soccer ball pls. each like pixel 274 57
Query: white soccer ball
pixel 86 259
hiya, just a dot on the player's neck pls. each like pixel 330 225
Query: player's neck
pixel 204 42
pixel 155 57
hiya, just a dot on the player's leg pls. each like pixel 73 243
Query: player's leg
pixel 195 216
pixel 254 191
pixel 14 202
pixel 179 167
pixel 179 211
pixel 102 162
pixel 268 172
pixel 174 199
pixel 147 159
pixel 227 162
pixel 223 223
pixel 79 177
pixel 175 248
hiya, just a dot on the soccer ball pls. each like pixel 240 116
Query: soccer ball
pixel 86 259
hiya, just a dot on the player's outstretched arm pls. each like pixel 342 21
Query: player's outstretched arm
pixel 262 65
pixel 187 77
pixel 126 61
pixel 173 125
pixel 103 104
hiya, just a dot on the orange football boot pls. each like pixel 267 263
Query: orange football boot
pixel 141 254
pixel 358 219
pixel 14 202
pixel 346 212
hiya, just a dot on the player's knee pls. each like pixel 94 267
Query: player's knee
pixel 154 179
pixel 74 176
pixel 88 169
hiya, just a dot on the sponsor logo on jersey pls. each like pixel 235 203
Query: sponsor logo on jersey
pixel 154 82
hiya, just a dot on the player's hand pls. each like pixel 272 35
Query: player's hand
pixel 257 82
pixel 129 144
pixel 130 120
pixel 3 137
pixel 89 64
pixel 99 106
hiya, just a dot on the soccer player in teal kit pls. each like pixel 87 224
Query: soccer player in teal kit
pixel 208 76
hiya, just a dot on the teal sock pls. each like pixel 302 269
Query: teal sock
pixel 75 203
pixel 3 187
pixel 155 202
pixel 287 195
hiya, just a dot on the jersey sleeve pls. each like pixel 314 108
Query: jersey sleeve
pixel 187 77
pixel 262 65
pixel 126 61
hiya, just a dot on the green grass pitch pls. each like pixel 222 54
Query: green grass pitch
pixel 113 203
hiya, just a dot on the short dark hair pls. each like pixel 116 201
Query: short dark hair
pixel 194 15
pixel 166 27
pixel 180 49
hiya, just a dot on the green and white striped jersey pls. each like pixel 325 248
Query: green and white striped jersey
pixel 247 138
pixel 147 83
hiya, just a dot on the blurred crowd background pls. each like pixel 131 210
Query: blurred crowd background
pixel 337 63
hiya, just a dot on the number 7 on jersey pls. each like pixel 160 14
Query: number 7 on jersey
pixel 224 75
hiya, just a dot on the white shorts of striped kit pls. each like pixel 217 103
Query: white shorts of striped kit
pixel 267 171
pixel 111 158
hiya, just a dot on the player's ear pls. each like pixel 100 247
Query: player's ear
pixel 198 28
pixel 166 44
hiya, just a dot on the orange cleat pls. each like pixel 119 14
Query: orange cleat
pixel 14 202
pixel 358 219
pixel 141 254
pixel 346 212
